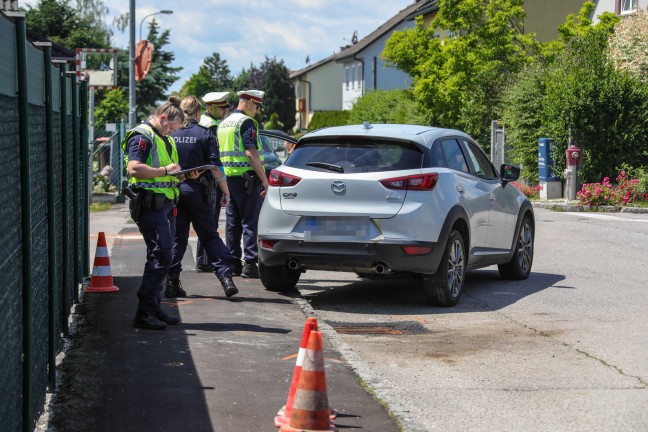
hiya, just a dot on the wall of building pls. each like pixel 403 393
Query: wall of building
pixel 315 88
pixel 610 6
pixel 377 75
pixel 544 16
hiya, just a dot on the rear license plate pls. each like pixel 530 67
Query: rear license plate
pixel 336 228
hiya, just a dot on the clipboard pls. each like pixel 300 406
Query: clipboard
pixel 198 168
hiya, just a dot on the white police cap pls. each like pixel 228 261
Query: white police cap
pixel 217 98
pixel 253 95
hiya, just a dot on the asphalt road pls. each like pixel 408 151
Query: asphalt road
pixel 565 350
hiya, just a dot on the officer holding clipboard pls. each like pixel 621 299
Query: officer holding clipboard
pixel 151 160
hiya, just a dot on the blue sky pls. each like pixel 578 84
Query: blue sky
pixel 244 32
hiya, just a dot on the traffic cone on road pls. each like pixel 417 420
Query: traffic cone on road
pixel 101 280
pixel 283 415
pixel 310 411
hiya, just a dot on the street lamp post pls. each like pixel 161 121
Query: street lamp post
pixel 166 12
pixel 131 66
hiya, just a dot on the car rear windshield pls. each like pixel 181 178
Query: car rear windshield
pixel 356 155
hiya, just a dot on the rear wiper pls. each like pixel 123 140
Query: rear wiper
pixel 328 166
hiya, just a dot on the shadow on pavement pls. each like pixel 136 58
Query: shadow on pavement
pixel 483 291
pixel 114 366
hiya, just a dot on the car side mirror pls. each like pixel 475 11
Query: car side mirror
pixel 509 173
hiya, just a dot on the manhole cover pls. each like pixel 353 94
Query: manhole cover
pixel 368 330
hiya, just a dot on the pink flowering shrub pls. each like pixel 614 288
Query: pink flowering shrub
pixel 528 190
pixel 607 194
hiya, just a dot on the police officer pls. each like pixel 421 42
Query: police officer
pixel 151 157
pixel 216 106
pixel 196 147
pixel 238 138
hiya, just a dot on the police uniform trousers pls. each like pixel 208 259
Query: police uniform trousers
pixel 243 220
pixel 201 254
pixel 158 229
pixel 194 209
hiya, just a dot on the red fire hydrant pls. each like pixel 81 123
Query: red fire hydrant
pixel 573 158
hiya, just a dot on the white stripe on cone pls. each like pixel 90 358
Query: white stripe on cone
pixel 101 271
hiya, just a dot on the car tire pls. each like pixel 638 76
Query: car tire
pixel 519 267
pixel 444 287
pixel 278 278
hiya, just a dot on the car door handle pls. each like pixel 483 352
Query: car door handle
pixel 491 197
pixel 460 189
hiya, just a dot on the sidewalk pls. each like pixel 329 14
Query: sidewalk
pixel 227 367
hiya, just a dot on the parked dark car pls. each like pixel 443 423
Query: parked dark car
pixel 270 158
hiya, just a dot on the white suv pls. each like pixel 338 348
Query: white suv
pixel 379 199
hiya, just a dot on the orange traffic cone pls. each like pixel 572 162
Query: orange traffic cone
pixel 283 415
pixel 310 411
pixel 101 280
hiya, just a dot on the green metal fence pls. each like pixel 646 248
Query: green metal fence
pixel 43 220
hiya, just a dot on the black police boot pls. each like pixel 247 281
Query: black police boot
pixel 164 317
pixel 228 286
pixel 238 267
pixel 174 287
pixel 148 321
pixel 204 268
pixel 250 271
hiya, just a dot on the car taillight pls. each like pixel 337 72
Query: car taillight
pixel 278 178
pixel 416 250
pixel 267 244
pixel 413 182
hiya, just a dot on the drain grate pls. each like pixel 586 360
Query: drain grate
pixel 377 330
pixel 380 328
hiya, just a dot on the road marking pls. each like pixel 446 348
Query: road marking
pixel 604 217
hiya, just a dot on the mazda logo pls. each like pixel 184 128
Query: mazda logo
pixel 338 187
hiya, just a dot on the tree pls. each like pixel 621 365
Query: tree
pixel 279 95
pixel 458 81
pixel 213 75
pixel 273 77
pixel 113 108
pixel 61 22
pixel 154 88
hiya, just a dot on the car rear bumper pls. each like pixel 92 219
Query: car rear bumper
pixel 350 257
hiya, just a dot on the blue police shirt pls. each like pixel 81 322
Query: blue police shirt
pixel 139 146
pixel 197 145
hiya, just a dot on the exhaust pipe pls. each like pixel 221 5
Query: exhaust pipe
pixel 293 265
pixel 381 268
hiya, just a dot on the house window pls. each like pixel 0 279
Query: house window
pixel 628 6
pixel 353 77
pixel 347 78
pixel 374 72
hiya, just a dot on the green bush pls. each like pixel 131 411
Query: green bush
pixel 604 109
pixel 386 106
pixel 522 117
pixel 322 119
pixel 640 174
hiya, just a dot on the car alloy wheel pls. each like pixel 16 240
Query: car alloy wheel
pixel 519 267
pixel 444 287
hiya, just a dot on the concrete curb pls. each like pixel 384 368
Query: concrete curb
pixel 574 206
